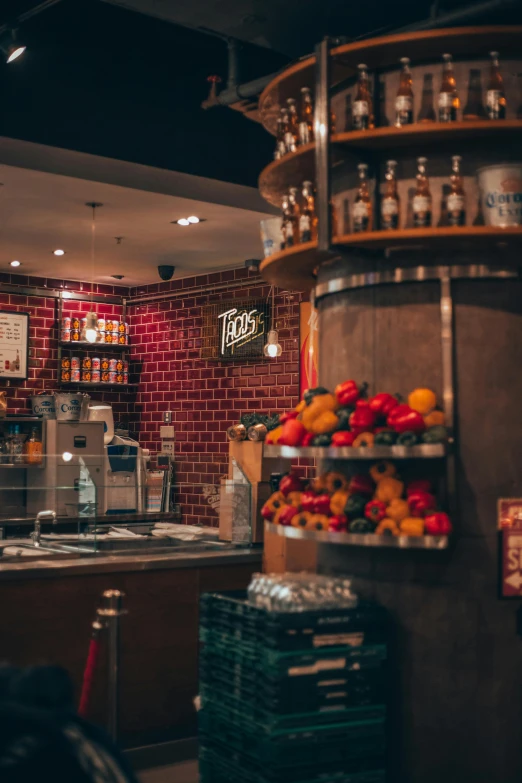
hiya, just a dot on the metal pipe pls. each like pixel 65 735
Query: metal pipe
pixel 459 15
pixel 29 13
pixel 234 284
pixel 111 611
pixel 233 63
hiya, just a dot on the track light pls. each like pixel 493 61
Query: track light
pixel 11 47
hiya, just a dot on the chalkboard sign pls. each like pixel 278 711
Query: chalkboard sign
pixel 14 345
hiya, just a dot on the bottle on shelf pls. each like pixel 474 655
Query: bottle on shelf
pixel 456 200
pixel 422 201
pixel 448 96
pixel 308 218
pixel 292 128
pixel 4 451
pixel 286 233
pixel 362 207
pixel 295 213
pixel 404 99
pixel 427 112
pixel 16 445
pixel 280 148
pixel 33 449
pixel 390 202
pixel 496 98
pixel 288 138
pixel 362 111
pixel 306 117
pixel 290 220
pixel 473 108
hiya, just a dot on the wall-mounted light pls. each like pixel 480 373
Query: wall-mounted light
pixel 11 47
pixel 91 327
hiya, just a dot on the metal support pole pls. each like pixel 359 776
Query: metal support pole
pixel 322 144
pixel 111 611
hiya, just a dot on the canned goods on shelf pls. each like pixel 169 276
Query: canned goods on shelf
pixel 108 337
pixel 86 363
pixel 125 365
pixel 75 362
pixel 105 376
pixel 127 329
pixel 121 327
pixel 125 377
pixel 115 337
pixel 100 323
pixel 75 335
pixel 66 362
pixel 66 336
pixel 119 377
pixel 86 376
pixel 96 363
pixel 104 363
pixel 66 375
pixel 112 376
pixel 112 365
pixel 96 376
pixel 119 365
pixel 75 322
pixel 83 322
pixel 109 325
pixel 122 339
pixel 66 322
pixel 115 326
pixel 75 376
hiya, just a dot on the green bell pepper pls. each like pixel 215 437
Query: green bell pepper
pixel 343 414
pixel 355 506
pixel 361 525
pixel 385 439
pixel 322 440
pixel 438 434
pixel 407 438
pixel 311 393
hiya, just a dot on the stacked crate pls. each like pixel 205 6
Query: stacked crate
pixel 291 697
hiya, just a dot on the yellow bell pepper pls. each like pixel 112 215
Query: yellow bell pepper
pixel 388 489
pixel 274 435
pixel 435 419
pixel 398 509
pixel 338 502
pixel 422 400
pixel 364 440
pixel 321 403
pixel 412 526
pixel 382 470
pixel 300 408
pixel 386 527
pixel 325 422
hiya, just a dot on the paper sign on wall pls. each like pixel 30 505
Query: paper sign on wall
pixel 14 345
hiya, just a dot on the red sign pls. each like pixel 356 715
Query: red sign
pixel 511 563
pixel 509 513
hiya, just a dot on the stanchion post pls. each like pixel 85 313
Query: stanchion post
pixel 110 611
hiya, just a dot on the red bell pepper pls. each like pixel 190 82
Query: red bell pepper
pixel 288 416
pixel 267 512
pixel 338 524
pixel 403 418
pixel 343 438
pixel 286 515
pixel 308 500
pixel 348 392
pixel 383 404
pixel 293 432
pixel 437 524
pixel 361 484
pixel 308 438
pixel 421 503
pixel 363 418
pixel 419 485
pixel 322 504
pixel 290 483
pixel 375 510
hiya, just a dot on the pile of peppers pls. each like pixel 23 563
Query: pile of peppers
pixel 349 417
pixel 380 502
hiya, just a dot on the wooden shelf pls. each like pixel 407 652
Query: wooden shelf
pixel 87 385
pixel 421 451
pixel 94 346
pixel 384 52
pixel 360 539
pixel 295 268
pixel 298 166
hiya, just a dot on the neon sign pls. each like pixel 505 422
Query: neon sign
pixel 238 327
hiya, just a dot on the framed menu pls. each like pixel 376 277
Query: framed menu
pixel 14 345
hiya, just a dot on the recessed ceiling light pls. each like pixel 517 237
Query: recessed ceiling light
pixel 58 252
pixel 15 263
pixel 193 219
pixel 183 222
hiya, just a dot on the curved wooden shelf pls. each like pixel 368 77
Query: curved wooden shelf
pixel 298 166
pixel 420 451
pixel 384 52
pixel 295 268
pixel 360 539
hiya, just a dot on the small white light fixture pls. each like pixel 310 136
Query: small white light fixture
pixel 193 219
pixel 91 327
pixel 58 252
pixel 183 222
pixel 66 295
pixel 67 456
pixel 272 349
pixel 11 48
pixel 15 263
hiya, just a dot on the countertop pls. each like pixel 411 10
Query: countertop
pixel 51 568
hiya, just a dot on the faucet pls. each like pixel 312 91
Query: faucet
pixel 42 516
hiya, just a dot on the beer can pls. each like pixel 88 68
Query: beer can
pixel 112 365
pixel 75 322
pixel 101 324
pixel 119 377
pixel 112 376
pixel 96 363
pixel 125 365
pixel 115 337
pixel 86 376
pixel 83 323
pixel 108 337
pixel 125 377
pixel 257 432
pixel 105 376
pixel 66 362
pixel 75 376
pixel 119 365
pixel 66 322
pixel 115 326
pixel 86 363
pixel 66 375
pixel 122 338
pixel 104 363
pixel 121 327
pixel 237 432
pixel 75 335
pixel 109 325
pixel 66 336
pixel 96 376
pixel 75 362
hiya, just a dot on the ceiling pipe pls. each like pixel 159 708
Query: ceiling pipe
pixel 37 9
pixel 239 92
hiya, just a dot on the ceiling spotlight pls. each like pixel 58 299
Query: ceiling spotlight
pixel 58 252
pixel 183 222
pixel 11 48
pixel 193 219
pixel 15 263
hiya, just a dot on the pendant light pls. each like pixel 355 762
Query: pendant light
pixel 91 321
pixel 272 348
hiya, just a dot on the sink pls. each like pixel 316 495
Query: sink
pixel 71 548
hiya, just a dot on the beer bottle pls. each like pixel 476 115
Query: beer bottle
pixel 422 200
pixel 362 111
pixel 362 207
pixel 288 139
pixel 308 219
pixel 280 148
pixel 287 235
pixel 496 98
pixel 292 134
pixel 294 214
pixel 456 200
pixel 306 118
pixel 427 112
pixel 390 203
pixel 448 97
pixel 404 99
